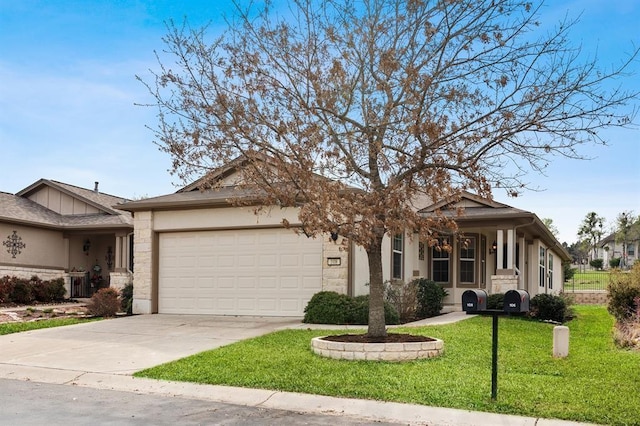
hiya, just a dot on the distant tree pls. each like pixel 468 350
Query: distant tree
pixel 399 99
pixel 591 231
pixel 550 226
pixel 627 230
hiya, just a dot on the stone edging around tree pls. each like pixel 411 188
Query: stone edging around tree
pixel 377 351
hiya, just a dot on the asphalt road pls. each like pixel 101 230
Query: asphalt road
pixel 30 403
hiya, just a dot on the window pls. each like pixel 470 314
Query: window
pixel 468 260
pixel 440 263
pixel 542 267
pixel 631 250
pixel 550 270
pixel 398 246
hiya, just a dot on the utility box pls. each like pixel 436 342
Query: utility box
pixel 516 301
pixel 474 300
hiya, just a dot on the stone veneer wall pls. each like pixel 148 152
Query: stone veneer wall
pixel 588 297
pixel 143 237
pixel 335 277
pixel 503 283
pixel 118 280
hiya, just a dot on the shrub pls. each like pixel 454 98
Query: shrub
pixel 627 333
pixel 7 285
pixel 548 307
pixel 359 312
pixel 596 263
pixel 568 271
pixel 104 303
pixel 623 289
pixel 495 301
pixel 56 290
pixel 22 292
pixel 430 298
pixel 329 307
pixel 403 297
pixel 614 262
pixel 126 298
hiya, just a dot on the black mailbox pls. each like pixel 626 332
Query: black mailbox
pixel 516 301
pixel 474 300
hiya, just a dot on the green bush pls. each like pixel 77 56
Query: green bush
pixel 104 303
pixel 328 307
pixel 549 307
pixel 596 263
pixel 22 292
pixel 126 298
pixel 7 285
pixel 623 290
pixel 359 313
pixel 568 271
pixel 614 262
pixel 430 298
pixel 495 301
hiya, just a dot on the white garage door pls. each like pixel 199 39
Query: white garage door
pixel 246 272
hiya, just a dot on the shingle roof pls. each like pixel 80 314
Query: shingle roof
pixel 20 209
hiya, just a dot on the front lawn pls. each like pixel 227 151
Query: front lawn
pixel 596 383
pixel 18 327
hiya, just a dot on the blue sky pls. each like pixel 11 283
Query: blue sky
pixel 68 88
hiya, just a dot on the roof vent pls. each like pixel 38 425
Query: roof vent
pixel 95 188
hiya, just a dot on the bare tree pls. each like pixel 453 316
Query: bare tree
pixel 398 99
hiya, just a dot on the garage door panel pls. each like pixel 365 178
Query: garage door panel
pixel 247 272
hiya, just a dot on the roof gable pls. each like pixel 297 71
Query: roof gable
pixel 467 201
pixel 67 199
pixel 58 205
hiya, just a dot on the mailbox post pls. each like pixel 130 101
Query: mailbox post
pixel 475 302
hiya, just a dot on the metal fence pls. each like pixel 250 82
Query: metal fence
pixel 588 280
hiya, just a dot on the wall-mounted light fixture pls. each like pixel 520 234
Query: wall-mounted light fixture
pixel 493 248
pixel 86 246
pixel 334 236
pixel 109 257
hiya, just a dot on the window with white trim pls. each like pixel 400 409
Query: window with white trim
pixel 440 259
pixel 550 270
pixel 398 256
pixel 542 268
pixel 468 260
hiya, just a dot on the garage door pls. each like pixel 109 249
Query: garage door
pixel 271 272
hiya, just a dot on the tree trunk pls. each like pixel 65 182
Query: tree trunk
pixel 377 326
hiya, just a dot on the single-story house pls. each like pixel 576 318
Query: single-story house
pixel 56 230
pixel 197 253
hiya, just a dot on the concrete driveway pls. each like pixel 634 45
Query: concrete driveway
pixel 125 345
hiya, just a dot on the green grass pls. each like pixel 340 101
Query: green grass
pixel 596 383
pixel 18 327
pixel 592 280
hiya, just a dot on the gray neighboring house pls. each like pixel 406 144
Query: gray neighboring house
pixel 608 249
pixel 52 229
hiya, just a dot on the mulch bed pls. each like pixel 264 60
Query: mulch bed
pixel 390 338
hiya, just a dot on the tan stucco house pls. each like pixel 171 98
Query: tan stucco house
pixel 52 229
pixel 196 253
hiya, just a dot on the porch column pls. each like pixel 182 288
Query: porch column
pixel 511 249
pixel 499 251
pixel 522 283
